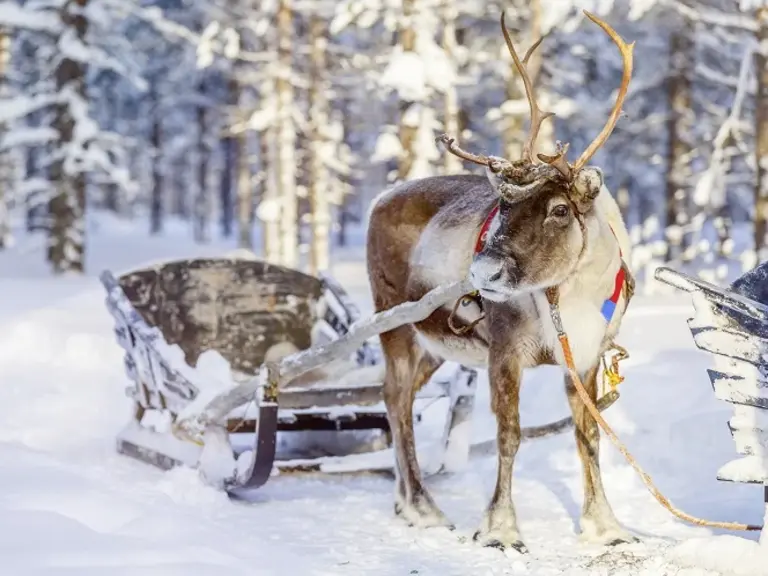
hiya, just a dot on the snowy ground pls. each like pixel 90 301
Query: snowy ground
pixel 70 505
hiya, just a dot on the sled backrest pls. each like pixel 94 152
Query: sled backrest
pixel 243 309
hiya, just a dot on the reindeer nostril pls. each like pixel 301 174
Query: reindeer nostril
pixel 494 277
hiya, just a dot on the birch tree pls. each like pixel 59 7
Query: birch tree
pixel 320 213
pixel 408 108
pixel 286 138
pixel 452 163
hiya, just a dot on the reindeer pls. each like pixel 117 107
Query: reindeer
pixel 542 242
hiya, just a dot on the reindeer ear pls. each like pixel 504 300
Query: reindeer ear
pixel 585 187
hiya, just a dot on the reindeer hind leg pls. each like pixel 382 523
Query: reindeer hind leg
pixel 408 367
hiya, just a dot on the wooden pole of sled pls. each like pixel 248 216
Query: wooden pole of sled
pixel 593 410
pixel 294 365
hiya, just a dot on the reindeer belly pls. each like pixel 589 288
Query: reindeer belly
pixel 435 336
pixel 465 350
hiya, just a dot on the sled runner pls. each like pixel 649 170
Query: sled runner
pixel 732 325
pixel 193 328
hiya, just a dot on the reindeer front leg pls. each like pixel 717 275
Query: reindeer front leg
pixel 598 522
pixel 499 526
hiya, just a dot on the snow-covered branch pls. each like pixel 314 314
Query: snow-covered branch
pixel 710 188
pixel 14 15
pixel 713 17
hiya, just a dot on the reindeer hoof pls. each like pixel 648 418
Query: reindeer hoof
pixel 500 543
pixel 605 535
pixel 422 513
pixel 623 540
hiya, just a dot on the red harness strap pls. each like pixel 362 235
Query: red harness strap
pixel 483 236
pixel 609 306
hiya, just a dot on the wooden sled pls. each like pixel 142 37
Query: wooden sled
pixel 732 325
pixel 248 311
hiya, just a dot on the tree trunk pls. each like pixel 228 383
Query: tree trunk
pixel 408 129
pixel 244 193
pixel 229 153
pixel 341 235
pixel 6 167
pixel 286 140
pixel 318 176
pixel 761 136
pixel 111 101
pixel 202 199
pixel 31 204
pixel 679 175
pixel 270 221
pixel 66 242
pixel 178 182
pixel 453 164
pixel 156 139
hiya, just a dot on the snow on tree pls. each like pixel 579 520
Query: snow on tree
pixel 417 70
pixel 297 113
pixel 77 145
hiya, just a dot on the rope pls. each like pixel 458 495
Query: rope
pixel 584 395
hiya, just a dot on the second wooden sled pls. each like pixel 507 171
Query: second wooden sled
pixel 169 315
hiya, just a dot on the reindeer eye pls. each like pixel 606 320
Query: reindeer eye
pixel 560 211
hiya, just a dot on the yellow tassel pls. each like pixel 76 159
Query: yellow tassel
pixel 611 373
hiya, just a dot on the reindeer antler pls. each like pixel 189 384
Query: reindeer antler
pixel 558 161
pixel 453 148
pixel 537 115
pixel 528 171
pixel 626 56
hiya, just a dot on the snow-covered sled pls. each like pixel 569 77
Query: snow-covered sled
pixel 732 325
pixel 193 328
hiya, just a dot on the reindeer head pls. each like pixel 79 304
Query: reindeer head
pixel 539 233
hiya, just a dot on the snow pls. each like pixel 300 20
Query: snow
pixel 16 16
pixel 388 146
pixel 746 469
pixel 70 504
pixel 727 554
pixel 414 75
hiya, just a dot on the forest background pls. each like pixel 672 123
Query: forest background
pixel 274 123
